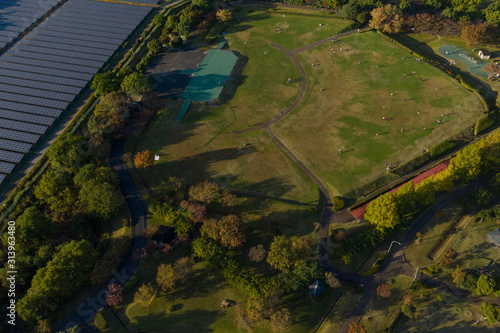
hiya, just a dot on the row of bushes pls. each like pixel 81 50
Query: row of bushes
pixel 485 122
pixel 374 269
pixel 441 148
pixel 411 164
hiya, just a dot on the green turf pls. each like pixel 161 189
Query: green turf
pixel 210 78
pixel 380 310
pixel 349 111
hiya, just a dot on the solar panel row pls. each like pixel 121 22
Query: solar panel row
pixel 45 70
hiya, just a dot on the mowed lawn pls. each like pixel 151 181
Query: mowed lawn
pixel 197 149
pixel 348 113
pixel 262 89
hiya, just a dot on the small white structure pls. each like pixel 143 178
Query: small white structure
pixel 484 54
pixel 494 237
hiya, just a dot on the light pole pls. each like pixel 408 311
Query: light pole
pixel 391 245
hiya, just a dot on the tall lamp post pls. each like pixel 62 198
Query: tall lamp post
pixel 391 245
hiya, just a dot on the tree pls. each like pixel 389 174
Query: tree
pixel 224 15
pixel 332 281
pixel 33 229
pixel 404 5
pixel 145 295
pixel 177 42
pixel 475 33
pixel 458 275
pixel 114 294
pixel 165 37
pixel 197 213
pixel 384 291
pixel 465 5
pixel 51 284
pixel 334 3
pixel 159 20
pixel 135 82
pixel 383 212
pixel 424 192
pixel 105 83
pixel 491 312
pixel 468 164
pixel 486 285
pixel 281 321
pixel 169 276
pixel 229 199
pixel 405 198
pixel 350 10
pixel 68 152
pixel 448 257
pixel 93 173
pixel 205 192
pixel 388 19
pixel 144 159
pixel 280 254
pixel 356 328
pixel 492 13
pixel 154 46
pixel 229 231
pixel 207 248
pixel 257 253
pixel 101 199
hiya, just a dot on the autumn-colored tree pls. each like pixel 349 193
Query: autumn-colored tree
pixel 475 33
pixel 205 192
pixel 229 199
pixel 145 295
pixel 257 253
pixel 339 236
pixel 43 326
pixel 419 236
pixel 281 321
pixel 332 281
pixel 425 191
pixel 387 18
pixel 231 231
pixel 448 256
pixel 224 15
pixel 458 275
pixel 384 291
pixel 114 294
pixel 356 328
pixel 383 211
pixel 169 276
pixel 197 213
pixel 144 159
pixel 408 299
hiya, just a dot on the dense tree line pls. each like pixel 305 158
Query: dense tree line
pixel 394 210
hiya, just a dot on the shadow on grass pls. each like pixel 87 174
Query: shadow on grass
pixel 189 321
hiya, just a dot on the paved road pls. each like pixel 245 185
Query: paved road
pixel 83 314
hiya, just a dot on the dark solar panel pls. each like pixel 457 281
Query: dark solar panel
pixel 26 117
pixel 2 177
pixel 9 156
pixel 18 136
pixel 15 146
pixel 6 167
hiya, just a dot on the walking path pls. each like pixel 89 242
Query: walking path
pixel 83 314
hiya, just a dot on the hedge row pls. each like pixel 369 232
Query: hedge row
pixel 374 269
pixel 411 164
pixel 441 148
pixel 485 122
pixel 215 32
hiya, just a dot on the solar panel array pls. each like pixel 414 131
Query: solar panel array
pixel 43 72
pixel 17 15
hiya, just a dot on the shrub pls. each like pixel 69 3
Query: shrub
pixel 100 322
pixel 441 148
pixel 484 123
pixel 337 203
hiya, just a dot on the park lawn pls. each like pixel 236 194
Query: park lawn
pixel 473 251
pixel 291 28
pixel 349 111
pixel 339 311
pixel 198 149
pixel 417 252
pixel 441 312
pixel 261 90
pixel 380 310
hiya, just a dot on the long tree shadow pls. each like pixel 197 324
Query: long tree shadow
pixel 197 320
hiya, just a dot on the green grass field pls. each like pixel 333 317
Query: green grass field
pixel 380 310
pixel 349 111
